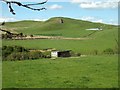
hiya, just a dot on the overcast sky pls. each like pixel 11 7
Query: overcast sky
pixel 104 11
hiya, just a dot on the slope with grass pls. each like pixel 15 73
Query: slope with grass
pixel 82 72
pixel 70 27
pixel 100 41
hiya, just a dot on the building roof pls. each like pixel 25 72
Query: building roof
pixel 61 51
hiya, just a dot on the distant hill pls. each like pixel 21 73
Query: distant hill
pixel 69 28
pixel 99 40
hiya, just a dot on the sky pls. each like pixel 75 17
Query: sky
pixel 103 11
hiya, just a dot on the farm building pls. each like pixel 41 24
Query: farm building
pixel 61 53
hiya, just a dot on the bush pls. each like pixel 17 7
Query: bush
pixel 78 54
pixel 95 52
pixel 9 48
pixel 19 49
pixel 5 53
pixel 46 54
pixel 14 56
pixel 72 53
pixel 6 50
pixel 108 51
pixel 12 52
pixel 24 56
pixel 4 47
pixel 35 55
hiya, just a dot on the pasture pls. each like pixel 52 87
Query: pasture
pixel 92 71
pixel 81 72
pixel 81 46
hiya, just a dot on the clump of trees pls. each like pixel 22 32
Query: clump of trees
pixel 13 53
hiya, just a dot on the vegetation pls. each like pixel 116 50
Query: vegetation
pixel 82 72
pixel 95 44
pixel 94 63
pixel 78 46
pixel 13 53
pixel 108 51
pixel 70 28
pixel 7 50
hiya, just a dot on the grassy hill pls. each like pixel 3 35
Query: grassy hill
pixel 100 41
pixel 70 27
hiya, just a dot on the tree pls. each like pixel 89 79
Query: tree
pixel 28 6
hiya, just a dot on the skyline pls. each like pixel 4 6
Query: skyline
pixel 95 11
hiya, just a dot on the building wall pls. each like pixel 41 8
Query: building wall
pixel 54 54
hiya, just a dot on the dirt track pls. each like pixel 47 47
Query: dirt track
pixel 49 37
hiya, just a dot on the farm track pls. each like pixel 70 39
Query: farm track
pixel 49 37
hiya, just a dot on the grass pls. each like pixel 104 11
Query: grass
pixel 70 27
pixel 83 46
pixel 100 41
pixel 0 72
pixel 83 72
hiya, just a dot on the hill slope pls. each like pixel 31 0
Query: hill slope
pixel 100 41
pixel 69 27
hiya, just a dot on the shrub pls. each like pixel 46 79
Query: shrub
pixel 19 49
pixel 95 52
pixel 108 51
pixel 78 54
pixel 6 50
pixel 72 53
pixel 14 56
pixel 5 53
pixel 9 48
pixel 12 52
pixel 35 55
pixel 31 35
pixel 4 47
pixel 46 54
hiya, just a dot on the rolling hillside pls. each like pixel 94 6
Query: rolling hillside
pixel 69 27
pixel 101 39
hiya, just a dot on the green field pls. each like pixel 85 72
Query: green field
pixel 82 72
pixel 82 46
pixel 92 71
